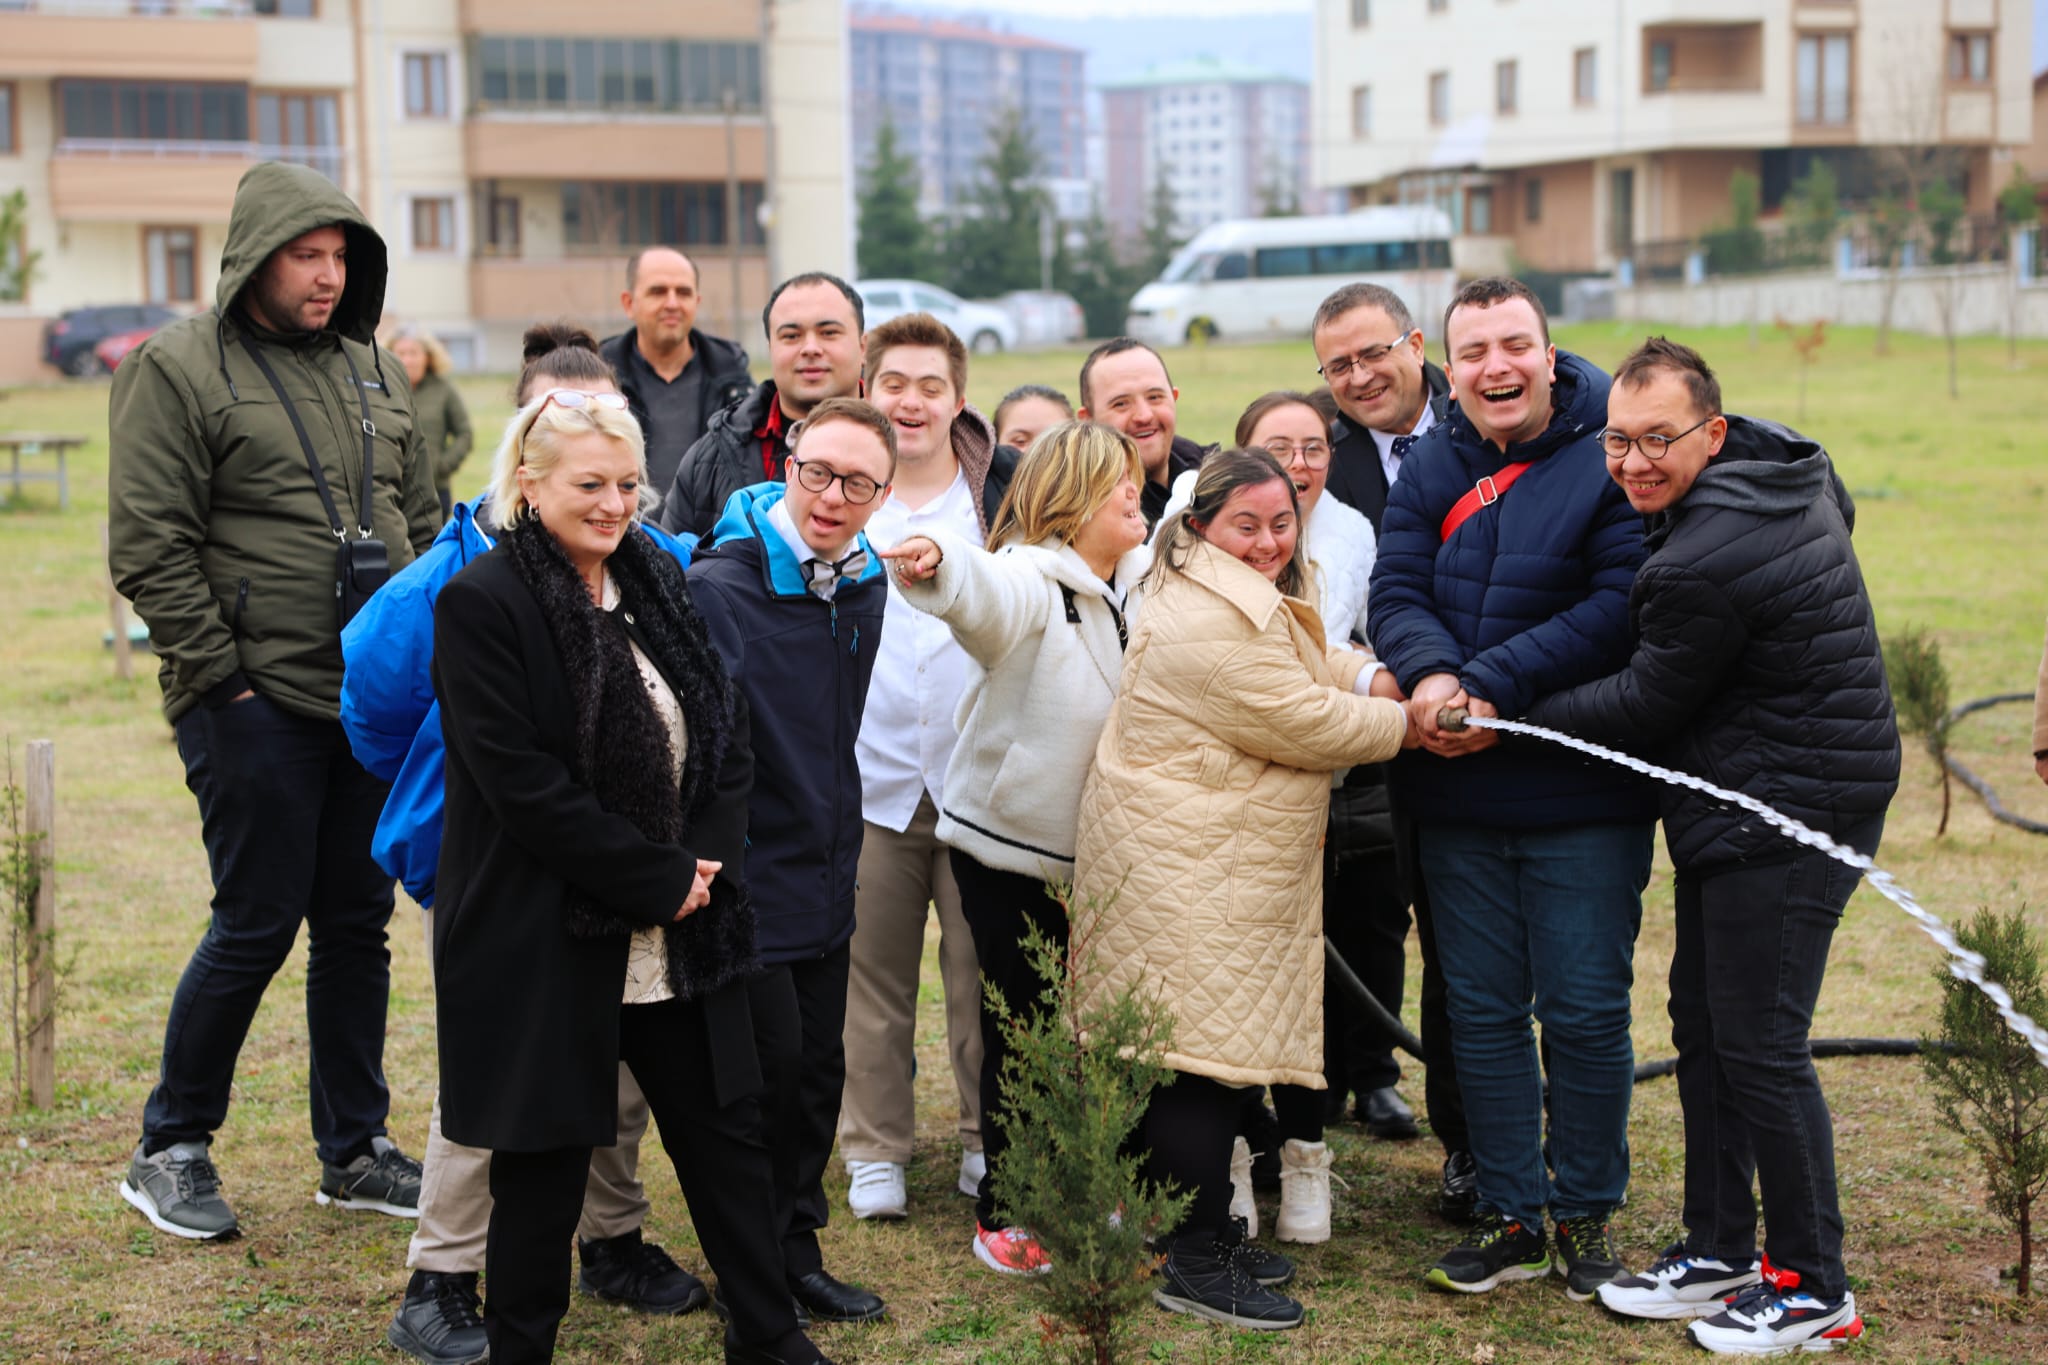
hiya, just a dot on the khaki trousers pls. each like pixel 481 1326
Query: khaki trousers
pixel 455 1184
pixel 901 877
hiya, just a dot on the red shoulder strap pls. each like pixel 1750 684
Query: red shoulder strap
pixel 1487 491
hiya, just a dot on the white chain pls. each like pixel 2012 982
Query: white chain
pixel 1964 963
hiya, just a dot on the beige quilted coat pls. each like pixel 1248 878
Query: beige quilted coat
pixel 1199 866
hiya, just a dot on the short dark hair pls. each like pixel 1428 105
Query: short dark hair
pixel 1362 295
pixel 633 265
pixel 1661 355
pixel 857 412
pixel 1265 403
pixel 1486 292
pixel 1117 346
pixel 916 329
pixel 860 316
pixel 563 350
pixel 1024 391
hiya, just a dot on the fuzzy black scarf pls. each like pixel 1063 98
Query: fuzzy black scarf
pixel 622 747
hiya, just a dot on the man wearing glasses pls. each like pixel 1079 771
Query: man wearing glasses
pixel 793 600
pixel 1370 352
pixel 1756 661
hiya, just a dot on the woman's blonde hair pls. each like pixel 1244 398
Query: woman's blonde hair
pixel 1063 480
pixel 1223 474
pixel 438 361
pixel 533 440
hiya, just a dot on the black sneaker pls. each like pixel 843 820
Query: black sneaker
pixel 178 1190
pixel 384 1180
pixel 1263 1264
pixel 1585 1256
pixel 1458 1199
pixel 441 1320
pixel 1210 1278
pixel 1501 1253
pixel 639 1274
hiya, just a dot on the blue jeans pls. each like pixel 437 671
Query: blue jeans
pixel 1542 921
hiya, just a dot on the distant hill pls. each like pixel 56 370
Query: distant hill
pixel 1118 48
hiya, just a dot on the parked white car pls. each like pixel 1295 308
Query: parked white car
pixel 1045 317
pixel 984 329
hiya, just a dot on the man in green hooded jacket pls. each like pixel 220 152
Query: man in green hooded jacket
pixel 242 563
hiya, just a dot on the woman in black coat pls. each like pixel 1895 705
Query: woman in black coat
pixel 598 773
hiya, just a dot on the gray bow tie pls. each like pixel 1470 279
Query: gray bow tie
pixel 822 577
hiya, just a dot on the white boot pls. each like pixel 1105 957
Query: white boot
pixel 1241 1205
pixel 1304 1192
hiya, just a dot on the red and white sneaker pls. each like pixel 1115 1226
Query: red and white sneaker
pixel 1776 1317
pixel 1010 1251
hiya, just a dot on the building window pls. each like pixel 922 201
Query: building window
pixel 1505 78
pixel 10 141
pixel 301 128
pixel 170 264
pixel 1440 97
pixel 1969 59
pixel 1361 111
pixel 433 225
pixel 1532 200
pixel 1658 77
pixel 153 111
pixel 1361 13
pixel 1585 77
pixel 287 9
pixel 610 214
pixel 426 85
pixel 1479 211
pixel 1821 79
pixel 662 75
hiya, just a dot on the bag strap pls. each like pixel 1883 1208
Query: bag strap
pixel 1123 634
pixel 255 353
pixel 1488 491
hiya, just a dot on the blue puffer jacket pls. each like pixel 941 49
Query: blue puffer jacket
pixel 1528 597
pixel 803 665
pixel 387 696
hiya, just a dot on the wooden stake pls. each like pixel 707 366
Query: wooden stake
pixel 117 611
pixel 42 955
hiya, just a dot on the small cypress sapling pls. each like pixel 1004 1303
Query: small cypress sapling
pixel 1919 679
pixel 1081 1069
pixel 1987 1083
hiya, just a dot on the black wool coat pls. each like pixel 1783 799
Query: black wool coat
pixel 540 884
pixel 1756 662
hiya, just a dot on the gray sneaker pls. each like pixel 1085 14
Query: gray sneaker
pixel 385 1181
pixel 179 1191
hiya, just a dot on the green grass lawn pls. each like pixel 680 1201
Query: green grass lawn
pixel 1951 506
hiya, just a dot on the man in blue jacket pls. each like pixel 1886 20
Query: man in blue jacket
pixel 793 598
pixel 1505 560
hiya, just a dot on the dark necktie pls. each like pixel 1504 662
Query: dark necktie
pixel 1402 445
pixel 823 577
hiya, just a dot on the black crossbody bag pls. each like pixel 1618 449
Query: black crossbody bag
pixel 361 565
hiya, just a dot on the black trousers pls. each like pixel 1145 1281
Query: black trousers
pixel 1442 1099
pixel 1365 914
pixel 720 1157
pixel 1188 1130
pixel 1746 973
pixel 998 907
pixel 799 1011
pixel 286 813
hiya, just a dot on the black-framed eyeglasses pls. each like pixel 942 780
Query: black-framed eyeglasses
pixel 1653 444
pixel 1314 454
pixel 856 488
pixel 1337 366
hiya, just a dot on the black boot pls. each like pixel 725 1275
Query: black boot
pixel 639 1274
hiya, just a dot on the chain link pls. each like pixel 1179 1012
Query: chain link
pixel 1964 963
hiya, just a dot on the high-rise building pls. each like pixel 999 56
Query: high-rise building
pixel 1229 141
pixel 942 83
pixel 512 153
pixel 1573 135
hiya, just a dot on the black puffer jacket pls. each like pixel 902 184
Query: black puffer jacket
pixel 1756 661
pixel 726 381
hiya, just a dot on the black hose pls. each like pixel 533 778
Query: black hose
pixel 1978 784
pixel 1383 1018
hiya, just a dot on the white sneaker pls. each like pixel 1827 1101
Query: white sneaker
pixel 973 1166
pixel 1766 1321
pixel 1241 1205
pixel 1304 1192
pixel 1679 1285
pixel 875 1189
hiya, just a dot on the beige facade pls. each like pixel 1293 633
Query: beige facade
pixel 1629 115
pixel 513 153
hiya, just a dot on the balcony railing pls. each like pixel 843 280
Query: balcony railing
pixel 326 160
pixel 131 9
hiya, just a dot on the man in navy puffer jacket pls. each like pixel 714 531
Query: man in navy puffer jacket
pixel 1505 560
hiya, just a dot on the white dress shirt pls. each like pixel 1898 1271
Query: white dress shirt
pixel 908 730
pixel 1384 440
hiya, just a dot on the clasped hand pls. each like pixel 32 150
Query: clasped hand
pixel 700 889
pixel 1432 696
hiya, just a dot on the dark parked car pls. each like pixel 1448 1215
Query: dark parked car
pixel 68 341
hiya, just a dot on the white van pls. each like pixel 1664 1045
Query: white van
pixel 1252 278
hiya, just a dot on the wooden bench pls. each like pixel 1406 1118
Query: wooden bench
pixel 32 443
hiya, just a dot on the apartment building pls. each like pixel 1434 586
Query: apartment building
pixel 1229 140
pixel 940 84
pixel 1573 134
pixel 513 154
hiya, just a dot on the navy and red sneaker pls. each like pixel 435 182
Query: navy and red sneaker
pixel 1775 1317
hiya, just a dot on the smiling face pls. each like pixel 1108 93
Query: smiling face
pixel 1130 391
pixel 413 356
pixel 1117 528
pixel 1256 524
pixel 825 520
pixel 913 387
pixel 1282 433
pixel 663 300
pixel 813 347
pixel 297 288
pixel 1661 406
pixel 1385 394
pixel 1501 369
pixel 1025 418
pixel 587 497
